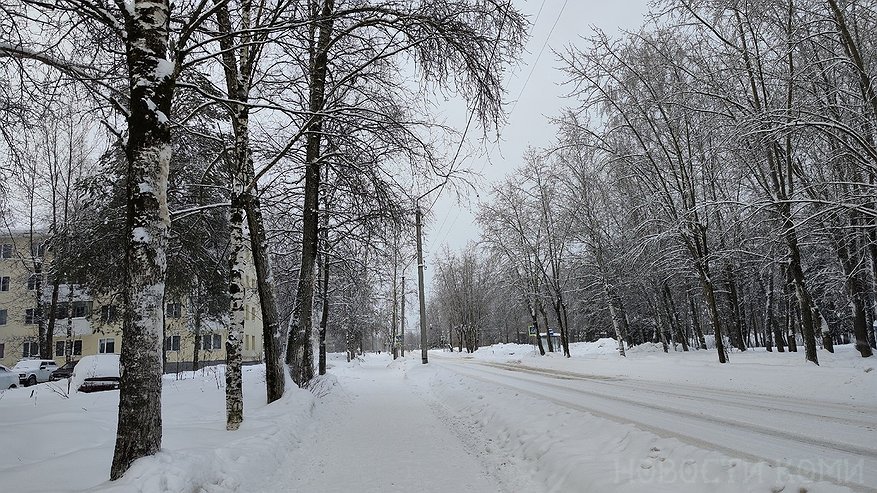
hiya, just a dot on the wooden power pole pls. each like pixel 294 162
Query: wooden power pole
pixel 402 315
pixel 421 294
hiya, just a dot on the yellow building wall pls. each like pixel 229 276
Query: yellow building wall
pixel 91 329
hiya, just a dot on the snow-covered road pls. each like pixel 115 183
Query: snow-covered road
pixel 824 441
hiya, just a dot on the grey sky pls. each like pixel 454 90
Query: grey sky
pixel 543 96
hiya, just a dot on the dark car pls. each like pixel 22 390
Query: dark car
pixel 65 371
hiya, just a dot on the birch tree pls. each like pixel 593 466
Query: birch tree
pixel 139 37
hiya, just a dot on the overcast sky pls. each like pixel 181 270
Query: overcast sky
pixel 542 96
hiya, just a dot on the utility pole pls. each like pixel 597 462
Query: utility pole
pixel 421 294
pixel 395 305
pixel 402 314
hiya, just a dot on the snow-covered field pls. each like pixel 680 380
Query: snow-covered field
pixel 502 419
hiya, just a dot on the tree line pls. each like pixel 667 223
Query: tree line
pixel 711 184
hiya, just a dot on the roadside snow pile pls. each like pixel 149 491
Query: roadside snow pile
pixel 502 351
pixel 646 347
pixel 58 443
pixel 605 345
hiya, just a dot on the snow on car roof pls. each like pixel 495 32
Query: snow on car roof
pixel 29 363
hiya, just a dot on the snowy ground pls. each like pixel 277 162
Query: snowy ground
pixel 503 419
pixel 671 422
pixel 52 441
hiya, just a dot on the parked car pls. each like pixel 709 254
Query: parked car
pixel 95 373
pixel 33 371
pixel 66 371
pixel 8 379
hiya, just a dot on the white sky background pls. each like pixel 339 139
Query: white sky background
pixel 452 223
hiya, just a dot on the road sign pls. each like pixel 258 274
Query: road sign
pixel 531 331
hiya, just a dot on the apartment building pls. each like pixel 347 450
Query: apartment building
pixel 87 324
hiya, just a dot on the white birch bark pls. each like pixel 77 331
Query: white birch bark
pixel 148 152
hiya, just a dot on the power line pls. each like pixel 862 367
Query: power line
pixel 538 56
pixel 514 105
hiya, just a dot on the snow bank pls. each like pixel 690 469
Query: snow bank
pixel 76 433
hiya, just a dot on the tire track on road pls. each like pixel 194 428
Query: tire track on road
pixel 813 447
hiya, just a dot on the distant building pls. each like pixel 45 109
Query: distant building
pixel 87 324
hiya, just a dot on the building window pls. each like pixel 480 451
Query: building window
pixel 38 251
pixel 6 250
pixel 30 349
pixel 172 343
pixel 29 317
pixel 2 350
pixel 60 346
pixel 3 316
pixel 32 282
pixel 107 346
pixel 108 314
pixel 173 310
pixel 60 310
pixel 80 309
pixel 4 283
pixel 210 342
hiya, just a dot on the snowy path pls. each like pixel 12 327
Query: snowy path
pixel 379 436
pixel 822 440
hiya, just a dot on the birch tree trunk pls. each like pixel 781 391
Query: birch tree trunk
pixel 234 399
pixel 533 319
pixel 148 153
pixel 238 76
pixel 617 316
